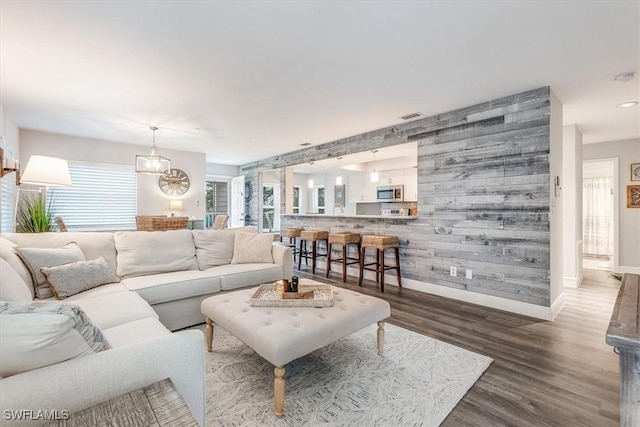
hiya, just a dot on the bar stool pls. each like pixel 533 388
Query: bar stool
pixel 313 236
pixel 345 239
pixel 381 244
pixel 292 234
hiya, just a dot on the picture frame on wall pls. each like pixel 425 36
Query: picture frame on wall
pixel 633 196
pixel 635 171
pixel 339 195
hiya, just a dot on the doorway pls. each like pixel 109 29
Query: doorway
pixel 599 214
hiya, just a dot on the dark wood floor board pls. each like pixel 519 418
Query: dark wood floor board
pixel 559 373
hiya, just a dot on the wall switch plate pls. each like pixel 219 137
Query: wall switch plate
pixel 453 271
pixel 469 274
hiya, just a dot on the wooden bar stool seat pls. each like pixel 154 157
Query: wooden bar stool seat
pixel 380 244
pixel 292 233
pixel 313 236
pixel 345 239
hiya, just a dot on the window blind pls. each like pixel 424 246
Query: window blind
pixel 103 197
pixel 8 191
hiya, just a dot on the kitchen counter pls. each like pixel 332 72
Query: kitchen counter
pixel 316 215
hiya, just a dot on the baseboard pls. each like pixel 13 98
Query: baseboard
pixel 517 307
pixel 558 304
pixel 626 269
pixel 573 282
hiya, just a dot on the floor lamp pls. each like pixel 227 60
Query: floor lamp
pixel 43 171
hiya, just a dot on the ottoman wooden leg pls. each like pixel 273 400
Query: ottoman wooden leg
pixel 208 333
pixel 380 338
pixel 278 391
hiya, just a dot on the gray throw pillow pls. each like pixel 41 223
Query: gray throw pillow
pixel 70 279
pixel 37 258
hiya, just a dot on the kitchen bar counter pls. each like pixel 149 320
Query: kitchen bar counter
pixel 315 215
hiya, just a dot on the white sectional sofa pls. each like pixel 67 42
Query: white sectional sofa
pixel 164 276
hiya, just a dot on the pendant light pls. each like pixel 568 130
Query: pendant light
pixel 374 174
pixel 339 177
pixel 154 163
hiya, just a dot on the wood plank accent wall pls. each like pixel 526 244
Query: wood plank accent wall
pixel 483 196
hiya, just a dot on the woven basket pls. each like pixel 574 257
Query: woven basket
pixel 161 223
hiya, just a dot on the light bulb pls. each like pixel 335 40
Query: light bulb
pixel 374 176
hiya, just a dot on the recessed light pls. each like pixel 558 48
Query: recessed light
pixel 624 77
pixel 627 104
pixel 305 144
pixel 411 116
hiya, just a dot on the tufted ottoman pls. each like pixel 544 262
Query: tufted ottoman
pixel 283 334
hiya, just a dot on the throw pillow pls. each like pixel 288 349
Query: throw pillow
pixel 252 248
pixel 12 287
pixel 70 279
pixel 142 253
pixel 37 258
pixel 215 247
pixel 38 333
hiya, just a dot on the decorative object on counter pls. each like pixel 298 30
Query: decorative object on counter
pixel 339 196
pixel 633 196
pixel 313 236
pixel 375 176
pixel 344 239
pixel 294 283
pixel 154 163
pixel 174 183
pixel 635 171
pixel 380 244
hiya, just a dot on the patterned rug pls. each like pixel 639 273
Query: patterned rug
pixel 417 382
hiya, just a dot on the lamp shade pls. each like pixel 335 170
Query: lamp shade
pixel 44 170
pixel 176 205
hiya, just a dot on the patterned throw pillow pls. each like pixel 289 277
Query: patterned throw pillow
pixel 70 279
pixel 252 248
pixel 37 258
pixel 41 333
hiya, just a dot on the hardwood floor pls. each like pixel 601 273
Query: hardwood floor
pixel 559 373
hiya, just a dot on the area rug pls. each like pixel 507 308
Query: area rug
pixel 417 382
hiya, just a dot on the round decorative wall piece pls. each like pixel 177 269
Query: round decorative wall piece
pixel 175 183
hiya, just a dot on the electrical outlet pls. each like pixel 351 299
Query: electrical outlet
pixel 453 271
pixel 469 274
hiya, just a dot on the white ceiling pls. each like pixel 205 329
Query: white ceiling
pixel 242 81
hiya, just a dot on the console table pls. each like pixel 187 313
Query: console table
pixel 159 404
pixel 624 335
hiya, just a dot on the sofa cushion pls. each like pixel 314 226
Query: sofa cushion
pixel 215 247
pixel 234 276
pixel 109 288
pixel 152 252
pixel 165 287
pixel 252 248
pixel 37 258
pixel 8 254
pixel 93 244
pixel 37 334
pixel 115 309
pixel 75 277
pixel 134 332
pixel 12 287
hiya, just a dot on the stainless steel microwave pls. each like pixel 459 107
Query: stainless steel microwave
pixel 390 193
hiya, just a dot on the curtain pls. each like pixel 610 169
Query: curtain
pixel 597 216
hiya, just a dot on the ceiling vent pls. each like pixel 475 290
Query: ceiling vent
pixel 305 144
pixel 411 116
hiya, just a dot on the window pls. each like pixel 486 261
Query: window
pixel 217 200
pixel 7 202
pixel 268 207
pixel 296 199
pixel 320 199
pixel 103 197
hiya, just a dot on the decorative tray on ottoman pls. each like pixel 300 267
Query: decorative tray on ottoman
pixel 308 295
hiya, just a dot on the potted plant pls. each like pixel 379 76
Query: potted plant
pixel 35 214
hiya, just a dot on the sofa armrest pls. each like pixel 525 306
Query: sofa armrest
pixel 80 383
pixel 282 255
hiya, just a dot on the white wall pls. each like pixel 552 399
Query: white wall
pixel 10 142
pixel 572 205
pixel 556 203
pixel 151 200
pixel 222 171
pixel 627 152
